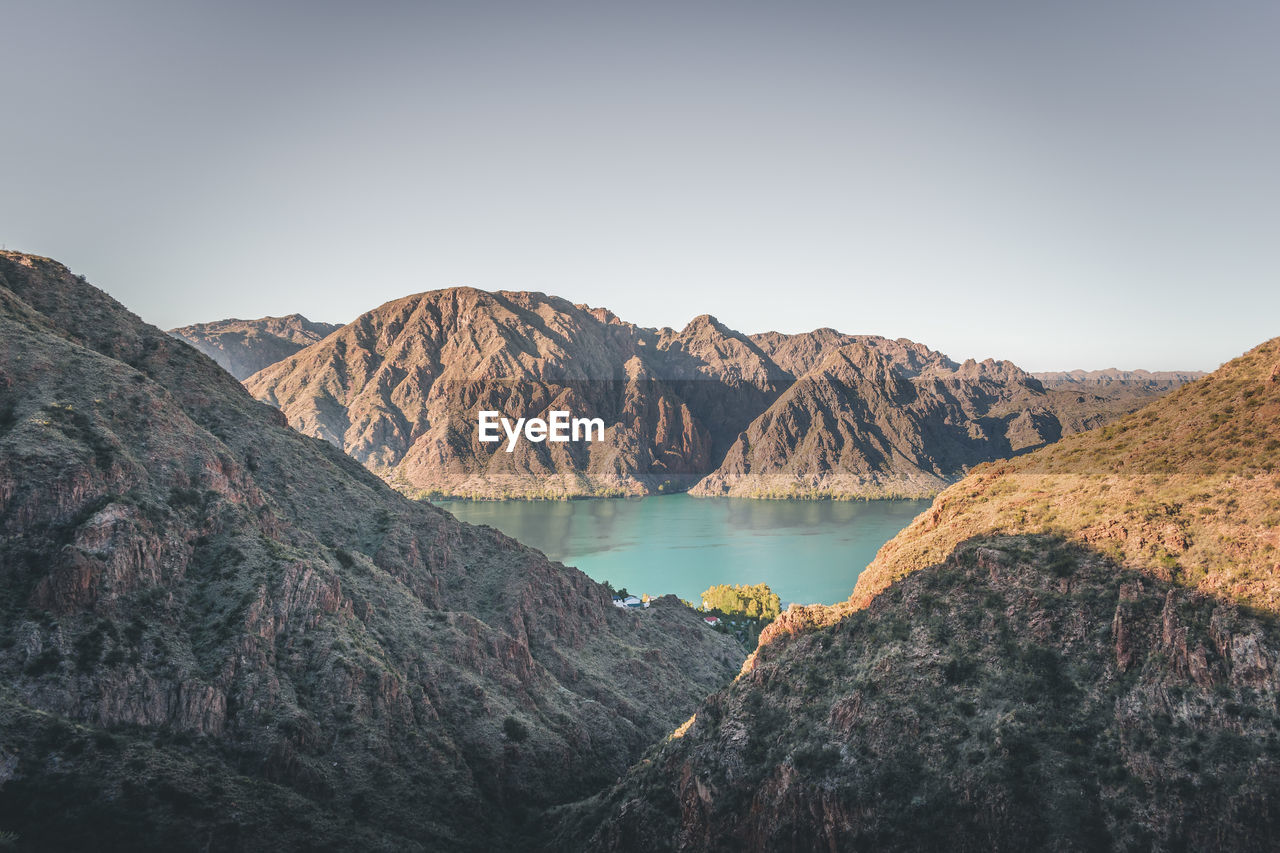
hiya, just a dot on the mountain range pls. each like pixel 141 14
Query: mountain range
pixel 706 409
pixel 218 633
pixel 1158 379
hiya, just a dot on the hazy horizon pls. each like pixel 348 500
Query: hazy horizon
pixel 1087 187
pixel 681 325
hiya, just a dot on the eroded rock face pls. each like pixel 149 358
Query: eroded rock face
pixel 859 423
pixel 400 389
pixel 1044 705
pixel 871 417
pixel 219 632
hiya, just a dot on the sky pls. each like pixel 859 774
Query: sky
pixel 1067 185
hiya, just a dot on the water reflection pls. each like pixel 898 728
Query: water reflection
pixel 807 551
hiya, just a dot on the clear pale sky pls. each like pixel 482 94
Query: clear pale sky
pixel 1085 184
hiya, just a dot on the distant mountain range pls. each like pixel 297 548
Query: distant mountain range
pixel 1163 379
pixel 705 409
pixel 243 347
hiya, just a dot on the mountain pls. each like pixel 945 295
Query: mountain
pixel 860 424
pixel 1168 379
pixel 401 389
pixel 218 633
pixel 871 417
pixel 799 354
pixel 1076 649
pixel 243 347
pixel 1183 489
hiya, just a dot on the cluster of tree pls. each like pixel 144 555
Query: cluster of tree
pixel 616 592
pixel 753 602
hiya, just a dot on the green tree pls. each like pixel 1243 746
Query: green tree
pixel 754 602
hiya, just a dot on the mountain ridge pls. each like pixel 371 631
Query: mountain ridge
pixel 1112 374
pixel 400 389
pixel 243 347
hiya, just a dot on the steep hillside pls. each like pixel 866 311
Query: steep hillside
pixel 1074 650
pixel 217 633
pixel 1022 695
pixel 1186 489
pixel 243 347
pixel 400 389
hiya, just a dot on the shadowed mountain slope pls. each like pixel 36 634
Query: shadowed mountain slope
pixel 217 633
pixel 1074 650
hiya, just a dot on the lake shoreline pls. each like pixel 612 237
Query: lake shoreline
pixel 818 497
pixel 808 551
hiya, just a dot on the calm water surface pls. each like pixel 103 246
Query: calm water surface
pixel 806 551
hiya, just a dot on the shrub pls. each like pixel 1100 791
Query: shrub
pixel 515 730
pixel 48 660
pixel 754 602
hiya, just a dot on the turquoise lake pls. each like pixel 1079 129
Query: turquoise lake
pixel 806 551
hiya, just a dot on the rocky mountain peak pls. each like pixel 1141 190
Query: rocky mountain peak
pixel 243 347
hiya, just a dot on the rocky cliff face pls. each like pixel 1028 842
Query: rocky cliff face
pixel 217 633
pixel 400 390
pixel 872 417
pixel 243 347
pixel 1073 650
pixel 864 423
pixel 799 354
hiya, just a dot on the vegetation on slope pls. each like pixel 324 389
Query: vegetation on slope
pixel 215 632
pixel 743 610
pixel 1187 490
pixel 1024 694
pixel 1074 650
pixel 754 601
